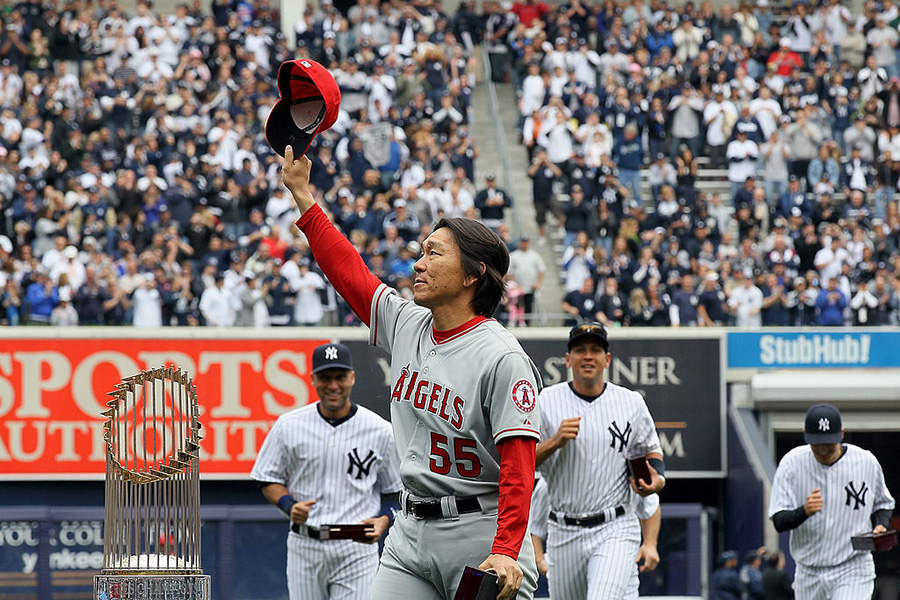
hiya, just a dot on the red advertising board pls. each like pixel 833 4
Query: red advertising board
pixel 52 392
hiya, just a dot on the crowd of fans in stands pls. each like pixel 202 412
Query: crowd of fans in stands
pixel 801 109
pixel 137 186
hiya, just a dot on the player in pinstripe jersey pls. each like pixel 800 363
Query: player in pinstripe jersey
pixel 646 508
pixel 588 428
pixel 463 404
pixel 824 493
pixel 330 462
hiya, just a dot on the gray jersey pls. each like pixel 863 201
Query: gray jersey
pixel 615 425
pixel 344 468
pixel 852 489
pixel 452 401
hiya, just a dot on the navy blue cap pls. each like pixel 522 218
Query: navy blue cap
pixel 594 330
pixel 331 356
pixel 823 425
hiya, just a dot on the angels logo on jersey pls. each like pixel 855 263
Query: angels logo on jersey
pixel 524 396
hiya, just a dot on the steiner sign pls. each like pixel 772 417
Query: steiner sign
pixel 826 348
pixel 53 391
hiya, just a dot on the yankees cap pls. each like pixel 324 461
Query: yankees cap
pixel 331 356
pixel 823 425
pixel 588 330
pixel 309 104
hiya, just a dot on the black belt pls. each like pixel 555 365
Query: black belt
pixel 310 532
pixel 431 509
pixel 591 521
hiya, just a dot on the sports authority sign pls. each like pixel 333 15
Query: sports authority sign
pixel 52 394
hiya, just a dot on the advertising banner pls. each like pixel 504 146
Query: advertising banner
pixel 830 349
pixel 53 391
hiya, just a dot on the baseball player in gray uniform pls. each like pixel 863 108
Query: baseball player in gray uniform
pixel 330 462
pixel 824 493
pixel 588 429
pixel 463 404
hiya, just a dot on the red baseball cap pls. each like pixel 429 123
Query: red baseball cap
pixel 309 104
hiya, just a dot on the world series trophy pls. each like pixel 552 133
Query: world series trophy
pixel 151 547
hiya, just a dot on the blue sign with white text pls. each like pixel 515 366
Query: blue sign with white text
pixel 828 348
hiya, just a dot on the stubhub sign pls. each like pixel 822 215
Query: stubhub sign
pixel 813 349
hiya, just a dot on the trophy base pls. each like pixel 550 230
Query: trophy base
pixel 151 587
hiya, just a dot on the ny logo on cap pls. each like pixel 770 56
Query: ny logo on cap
pixel 331 353
pixel 824 424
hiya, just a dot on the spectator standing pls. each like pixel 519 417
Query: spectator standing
pixel 719 116
pixel 147 302
pixel 527 268
pixel 612 305
pixel 629 157
pixel 776 582
pixel 308 310
pixel 543 173
pixel 746 302
pixel 683 310
pixel 751 576
pixel 685 110
pixel 711 302
pixel 216 305
pixel 491 203
pixel 725 583
pixel 741 154
pixel 64 314
pixel 580 305
pixel 803 137
pixel 830 305
pixel 776 302
pixel 863 304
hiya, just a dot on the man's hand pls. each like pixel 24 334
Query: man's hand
pixel 879 529
pixel 295 175
pixel 300 511
pixel 650 555
pixel 509 574
pixel 568 430
pixel 380 524
pixel 813 502
pixel 644 488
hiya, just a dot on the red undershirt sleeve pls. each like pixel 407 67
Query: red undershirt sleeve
pixel 516 486
pixel 340 262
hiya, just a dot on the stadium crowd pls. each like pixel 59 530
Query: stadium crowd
pixel 801 109
pixel 138 189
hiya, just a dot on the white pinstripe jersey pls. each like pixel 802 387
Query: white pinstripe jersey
pixel 344 468
pixel 589 474
pixel 540 509
pixel 852 489
pixel 451 402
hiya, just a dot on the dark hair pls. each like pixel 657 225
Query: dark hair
pixel 484 256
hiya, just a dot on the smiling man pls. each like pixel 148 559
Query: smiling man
pixel 463 404
pixel 330 462
pixel 589 428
